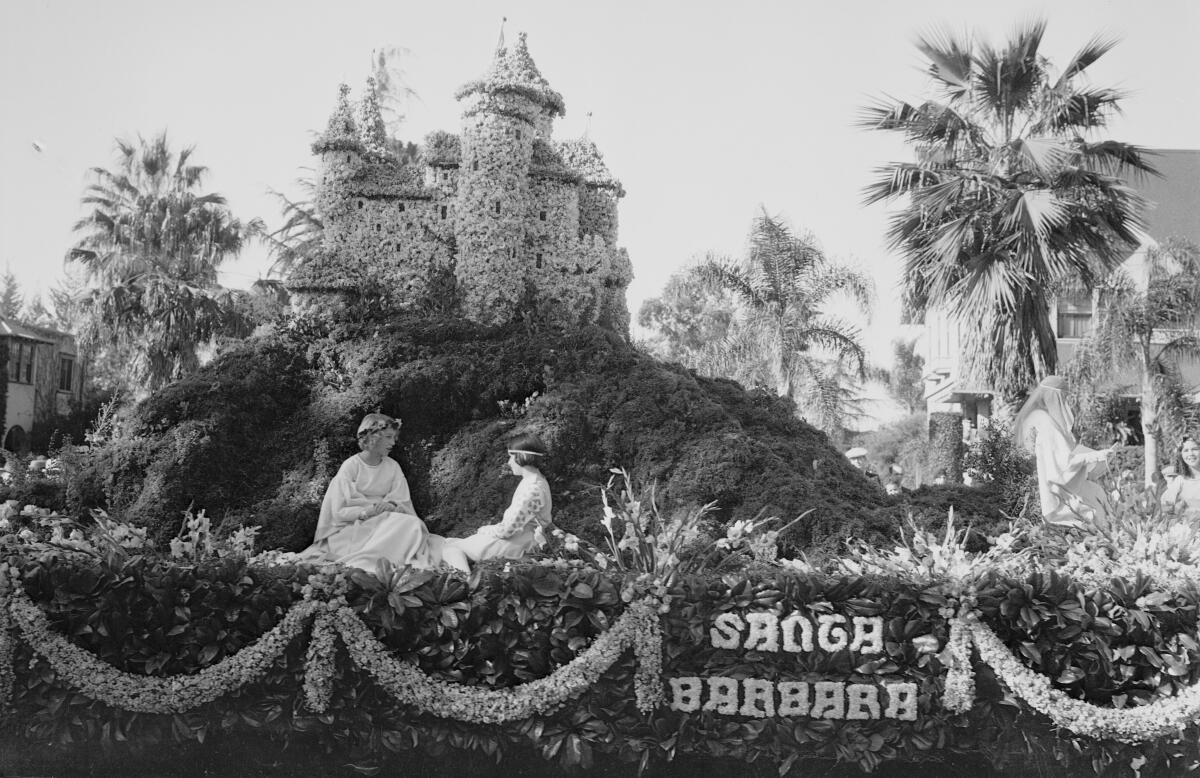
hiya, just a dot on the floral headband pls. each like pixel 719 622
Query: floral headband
pixel 377 422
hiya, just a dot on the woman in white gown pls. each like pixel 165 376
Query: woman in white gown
pixel 367 514
pixel 1064 467
pixel 525 521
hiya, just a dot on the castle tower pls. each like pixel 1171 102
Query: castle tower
pixel 341 157
pixel 502 115
pixel 600 191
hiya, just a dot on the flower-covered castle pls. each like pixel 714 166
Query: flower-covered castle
pixel 500 222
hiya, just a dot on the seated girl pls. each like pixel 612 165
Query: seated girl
pixel 527 517
pixel 367 514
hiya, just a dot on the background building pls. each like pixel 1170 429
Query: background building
pixel 42 380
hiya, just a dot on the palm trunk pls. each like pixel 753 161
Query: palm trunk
pixel 1149 421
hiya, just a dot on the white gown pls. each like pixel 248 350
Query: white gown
pixel 1063 469
pixel 529 510
pixel 345 536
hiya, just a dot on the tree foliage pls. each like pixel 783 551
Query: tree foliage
pixel 151 246
pixel 1148 324
pixel 692 313
pixel 782 335
pixel 11 299
pixel 1008 195
pixel 905 381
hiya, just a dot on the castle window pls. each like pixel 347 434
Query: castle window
pixel 443 212
pixel 360 204
pixel 539 262
pixel 497 206
pixel 378 227
pixel 347 159
pixel 475 164
pixel 401 207
pixel 542 216
pixel 512 253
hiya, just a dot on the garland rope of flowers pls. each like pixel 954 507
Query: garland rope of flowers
pixel 1167 716
pixel 6 655
pixel 637 629
pixel 153 694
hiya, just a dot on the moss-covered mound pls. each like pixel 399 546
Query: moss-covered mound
pixel 255 436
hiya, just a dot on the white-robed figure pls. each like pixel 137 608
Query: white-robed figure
pixel 367 514
pixel 1064 468
pixel 526 520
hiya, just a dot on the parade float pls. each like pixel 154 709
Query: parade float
pixel 482 293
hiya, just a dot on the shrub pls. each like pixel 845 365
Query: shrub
pixel 236 438
pixel 510 625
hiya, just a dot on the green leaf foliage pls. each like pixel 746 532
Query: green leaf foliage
pixel 1117 645
pixel 255 436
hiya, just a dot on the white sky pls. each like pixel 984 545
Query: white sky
pixel 706 110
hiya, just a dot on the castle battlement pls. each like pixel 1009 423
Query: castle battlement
pixel 500 221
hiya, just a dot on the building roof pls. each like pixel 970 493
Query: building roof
pixel 513 70
pixel 1173 209
pixel 10 327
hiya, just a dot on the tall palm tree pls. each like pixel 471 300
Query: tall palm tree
pixel 1008 196
pixel 784 336
pixel 151 247
pixel 1152 328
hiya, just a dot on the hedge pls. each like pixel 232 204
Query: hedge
pixel 1113 645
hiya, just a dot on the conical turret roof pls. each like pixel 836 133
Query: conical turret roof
pixel 513 70
pixel 582 156
pixel 374 132
pixel 341 132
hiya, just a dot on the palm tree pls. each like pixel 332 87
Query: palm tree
pixel 301 235
pixel 783 336
pixel 1152 328
pixel 151 247
pixel 1008 197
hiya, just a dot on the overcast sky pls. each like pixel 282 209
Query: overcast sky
pixel 707 111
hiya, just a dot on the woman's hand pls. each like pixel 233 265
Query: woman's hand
pixel 383 506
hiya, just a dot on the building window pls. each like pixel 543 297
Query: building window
pixel 542 216
pixel 497 206
pixel 539 261
pixel 66 373
pixel 443 212
pixel 1074 314
pixel 20 362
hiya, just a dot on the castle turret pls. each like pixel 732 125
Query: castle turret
pixel 600 191
pixel 504 112
pixel 341 154
pixel 373 130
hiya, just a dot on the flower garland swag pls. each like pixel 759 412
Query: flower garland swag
pixel 6 654
pixel 638 628
pixel 1164 717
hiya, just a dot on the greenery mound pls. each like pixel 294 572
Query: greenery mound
pixel 254 437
